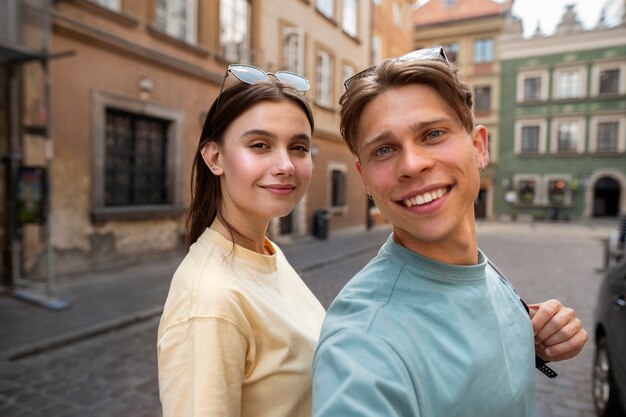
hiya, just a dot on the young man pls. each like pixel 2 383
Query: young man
pixel 428 327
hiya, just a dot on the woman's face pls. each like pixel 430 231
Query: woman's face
pixel 264 162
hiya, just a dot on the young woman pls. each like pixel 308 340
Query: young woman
pixel 239 326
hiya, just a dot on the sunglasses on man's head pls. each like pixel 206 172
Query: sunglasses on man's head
pixel 435 52
pixel 250 75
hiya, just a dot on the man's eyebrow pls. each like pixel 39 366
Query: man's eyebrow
pixel 381 137
pixel 428 123
pixel 415 128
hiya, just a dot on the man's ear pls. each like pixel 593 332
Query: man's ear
pixel 480 141
pixel 212 157
pixel 357 164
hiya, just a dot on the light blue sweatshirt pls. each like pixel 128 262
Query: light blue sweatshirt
pixel 409 336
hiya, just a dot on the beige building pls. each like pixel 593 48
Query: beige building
pixel 327 41
pixel 130 83
pixel 469 30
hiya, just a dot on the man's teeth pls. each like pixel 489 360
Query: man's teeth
pixel 425 198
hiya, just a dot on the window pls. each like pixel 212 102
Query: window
pixel 397 13
pixel 235 30
pixel 135 160
pixel 558 190
pixel 482 98
pixel 349 20
pixel 527 190
pixel 109 4
pixel 137 152
pixel 608 78
pixel 324 79
pixel 609 81
pixel 347 71
pixel 532 88
pixel 337 187
pixel 607 137
pixel 293 52
pixel 377 2
pixel 452 51
pixel 483 50
pixel 177 18
pixel 326 7
pixel 530 136
pixel 607 133
pixel 567 136
pixel 569 83
pixel 532 85
pixel 530 139
pixel 377 50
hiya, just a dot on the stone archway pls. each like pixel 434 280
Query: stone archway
pixel 605 194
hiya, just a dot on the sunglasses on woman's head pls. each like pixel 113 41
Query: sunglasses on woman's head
pixel 435 52
pixel 250 75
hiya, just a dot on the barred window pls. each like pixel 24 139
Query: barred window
pixel 135 159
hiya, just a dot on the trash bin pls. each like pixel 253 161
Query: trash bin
pixel 320 224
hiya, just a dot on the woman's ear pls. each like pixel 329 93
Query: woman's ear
pixel 211 155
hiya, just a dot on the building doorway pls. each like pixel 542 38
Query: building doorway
pixel 606 197
pixel 480 204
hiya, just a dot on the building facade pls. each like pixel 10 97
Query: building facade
pixel 563 122
pixel 115 120
pixel 327 41
pixel 469 31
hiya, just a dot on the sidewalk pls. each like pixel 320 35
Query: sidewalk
pixel 119 298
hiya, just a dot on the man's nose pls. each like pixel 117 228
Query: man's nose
pixel 413 161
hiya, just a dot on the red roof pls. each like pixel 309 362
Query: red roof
pixel 440 11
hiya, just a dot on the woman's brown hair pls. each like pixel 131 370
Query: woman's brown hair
pixel 206 194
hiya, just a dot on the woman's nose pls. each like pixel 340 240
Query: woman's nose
pixel 283 164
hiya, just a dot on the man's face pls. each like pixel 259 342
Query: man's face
pixel 421 166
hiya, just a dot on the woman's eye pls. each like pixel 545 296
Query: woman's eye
pixel 259 145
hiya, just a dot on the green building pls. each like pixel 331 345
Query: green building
pixel 562 152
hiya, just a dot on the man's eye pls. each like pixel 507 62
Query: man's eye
pixel 382 151
pixel 434 134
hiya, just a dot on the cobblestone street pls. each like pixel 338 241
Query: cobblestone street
pixel 114 374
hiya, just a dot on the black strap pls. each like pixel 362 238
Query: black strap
pixel 539 363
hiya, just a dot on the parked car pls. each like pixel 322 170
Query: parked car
pixel 609 368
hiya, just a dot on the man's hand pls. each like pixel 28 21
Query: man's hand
pixel 559 334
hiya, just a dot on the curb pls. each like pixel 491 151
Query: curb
pixel 67 338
